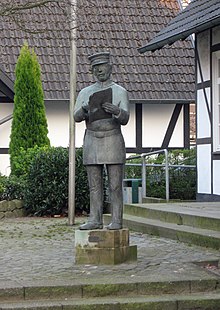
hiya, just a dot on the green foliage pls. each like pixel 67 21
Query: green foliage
pixel 82 187
pixel 182 181
pixel 22 161
pixel 47 183
pixel 2 185
pixel 14 188
pixel 29 125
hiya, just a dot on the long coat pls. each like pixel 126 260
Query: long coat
pixel 103 141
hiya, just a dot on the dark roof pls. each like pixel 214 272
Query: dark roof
pixel 199 15
pixel 120 27
pixel 6 87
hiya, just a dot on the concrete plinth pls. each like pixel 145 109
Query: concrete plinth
pixel 104 247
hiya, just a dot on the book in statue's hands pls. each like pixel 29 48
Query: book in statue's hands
pixel 96 100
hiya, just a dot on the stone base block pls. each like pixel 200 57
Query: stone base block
pixel 106 256
pixel 110 247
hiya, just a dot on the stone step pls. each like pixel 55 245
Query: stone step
pixel 199 215
pixel 172 302
pixel 183 233
pixel 158 200
pixel 198 281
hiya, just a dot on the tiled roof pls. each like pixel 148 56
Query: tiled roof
pixel 119 26
pixel 198 16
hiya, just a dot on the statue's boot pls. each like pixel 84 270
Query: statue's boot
pixel 114 226
pixel 90 226
pixel 116 218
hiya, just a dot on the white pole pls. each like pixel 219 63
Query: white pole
pixel 71 198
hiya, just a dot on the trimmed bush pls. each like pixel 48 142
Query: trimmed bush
pixel 14 188
pixel 2 185
pixel 47 183
pixel 23 160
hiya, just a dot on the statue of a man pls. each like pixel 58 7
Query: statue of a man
pixel 104 106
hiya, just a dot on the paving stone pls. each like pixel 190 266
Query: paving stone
pixel 42 250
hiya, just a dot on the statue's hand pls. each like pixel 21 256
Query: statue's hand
pixel 111 108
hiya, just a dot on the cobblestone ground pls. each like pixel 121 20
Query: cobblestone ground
pixel 43 248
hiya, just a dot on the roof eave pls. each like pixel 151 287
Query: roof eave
pixel 156 44
pixel 161 43
pixel 6 80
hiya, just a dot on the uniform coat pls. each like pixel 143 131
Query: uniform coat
pixel 103 141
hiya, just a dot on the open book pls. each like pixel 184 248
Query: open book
pixel 96 101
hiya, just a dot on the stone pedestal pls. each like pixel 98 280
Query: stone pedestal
pixel 104 247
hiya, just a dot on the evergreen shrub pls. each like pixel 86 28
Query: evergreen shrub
pixel 47 183
pixel 14 188
pixel 2 186
pixel 29 124
pixel 22 161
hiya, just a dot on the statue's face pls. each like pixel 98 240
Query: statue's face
pixel 102 72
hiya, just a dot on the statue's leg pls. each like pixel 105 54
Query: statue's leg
pixel 95 178
pixel 115 176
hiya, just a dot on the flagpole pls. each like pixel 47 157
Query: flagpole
pixel 72 150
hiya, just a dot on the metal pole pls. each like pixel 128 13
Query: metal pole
pixel 167 175
pixel 72 155
pixel 143 177
pixel 6 119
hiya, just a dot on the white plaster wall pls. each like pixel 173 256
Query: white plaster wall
pixel 216 177
pixel 204 169
pixel 177 139
pixel 58 123
pixel 203 45
pixel 156 118
pixel 5 129
pixel 203 121
pixel 79 133
pixel 129 130
pixel 155 122
pixel 216 35
pixel 4 164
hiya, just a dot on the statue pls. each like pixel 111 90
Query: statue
pixel 104 106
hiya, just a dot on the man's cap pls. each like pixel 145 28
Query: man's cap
pixel 99 58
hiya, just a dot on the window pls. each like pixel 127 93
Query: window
pixel 216 101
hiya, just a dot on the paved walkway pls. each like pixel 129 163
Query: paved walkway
pixel 41 249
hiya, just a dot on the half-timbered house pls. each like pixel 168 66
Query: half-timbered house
pixel 161 86
pixel 201 18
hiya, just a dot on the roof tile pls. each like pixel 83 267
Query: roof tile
pixel 118 26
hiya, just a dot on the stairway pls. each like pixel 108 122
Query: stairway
pixel 190 222
pixel 119 295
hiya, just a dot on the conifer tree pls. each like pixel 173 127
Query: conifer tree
pixel 29 125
